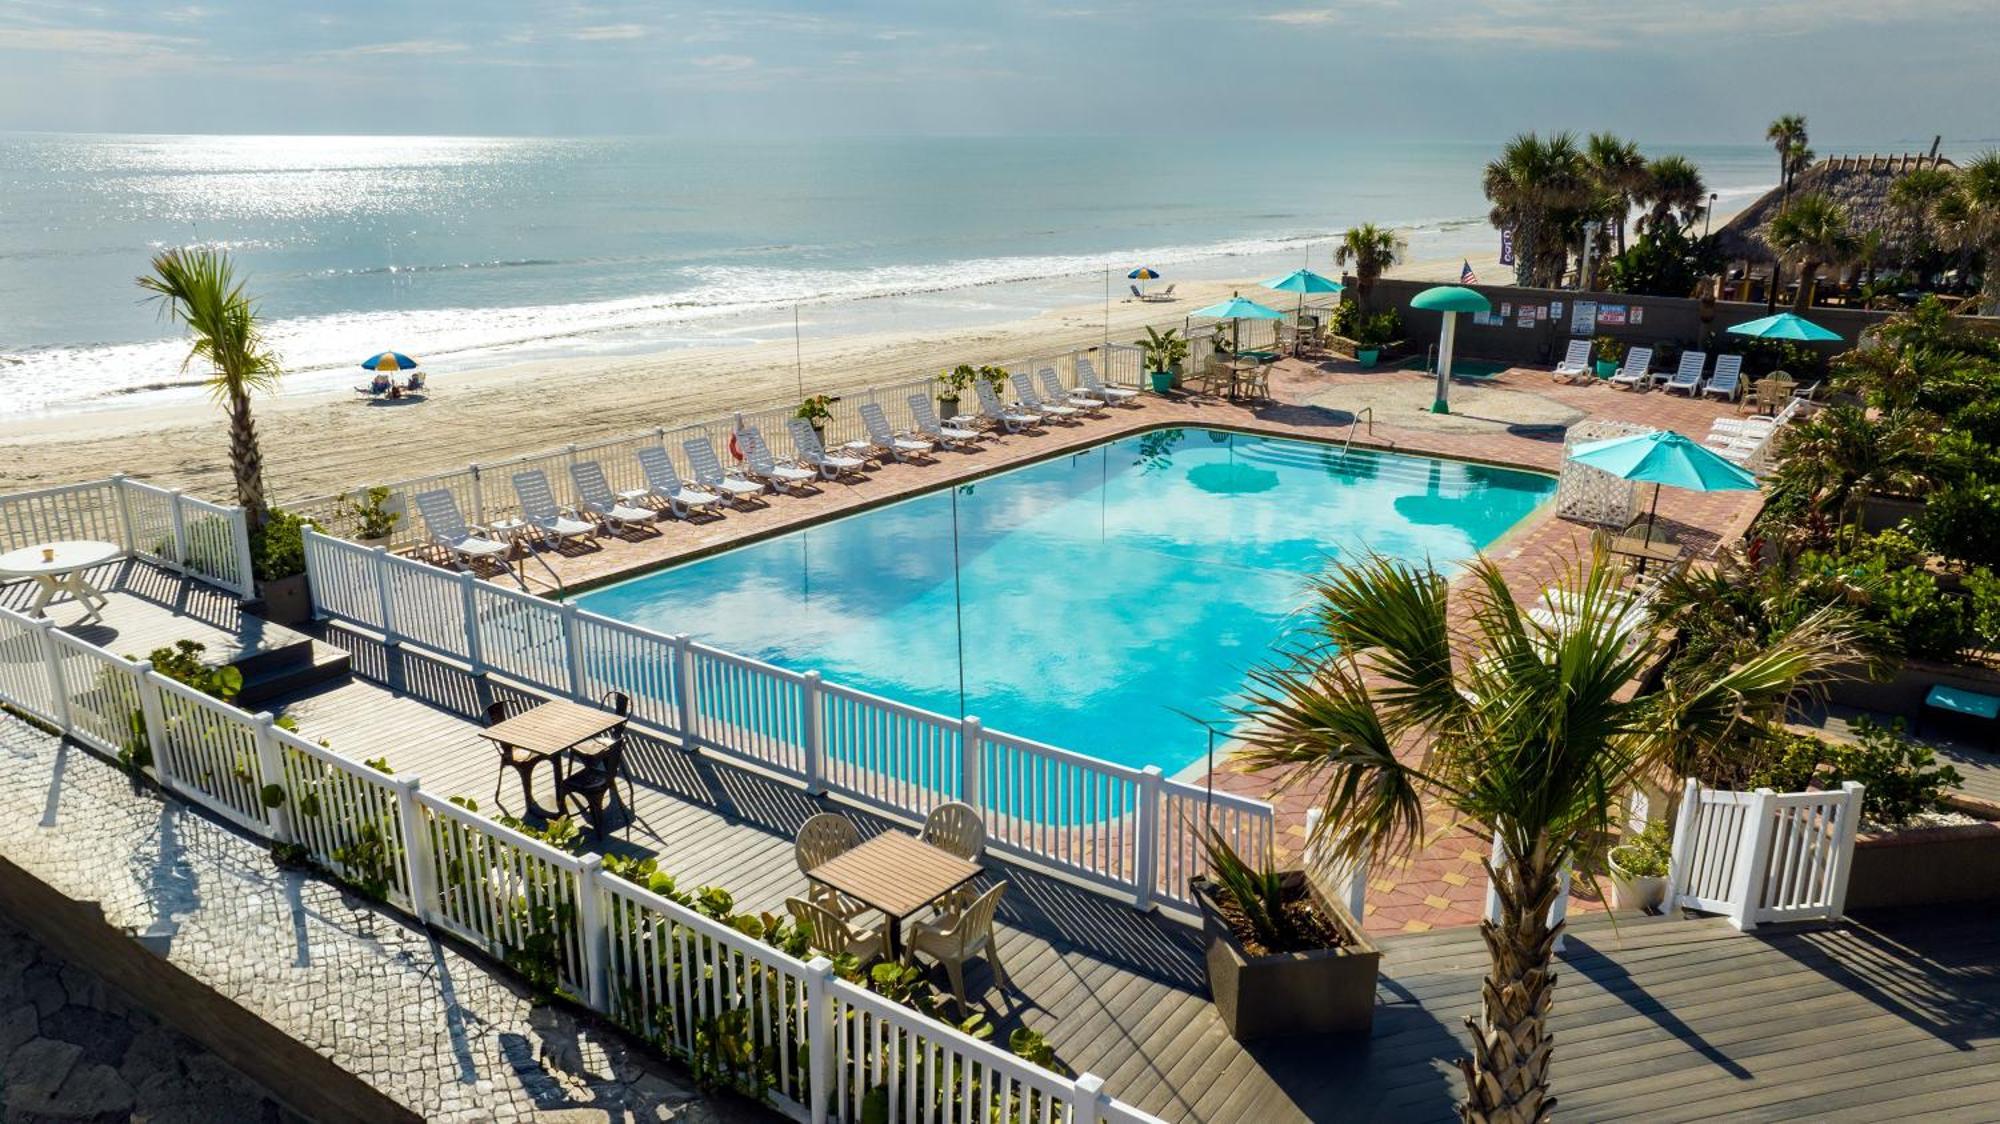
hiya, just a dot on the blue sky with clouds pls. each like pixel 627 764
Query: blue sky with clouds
pixel 1693 70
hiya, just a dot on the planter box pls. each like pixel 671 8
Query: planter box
pixel 286 601
pixel 1879 513
pixel 1904 694
pixel 1925 866
pixel 1326 991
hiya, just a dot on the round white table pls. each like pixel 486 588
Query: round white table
pixel 59 567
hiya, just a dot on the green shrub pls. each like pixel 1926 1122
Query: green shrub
pixel 1982 608
pixel 1930 621
pixel 1647 854
pixel 1958 457
pixel 1899 777
pixel 277 549
pixel 1962 523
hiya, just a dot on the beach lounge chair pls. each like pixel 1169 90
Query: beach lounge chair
pixel 709 474
pixel 1012 418
pixel 805 442
pixel 781 475
pixel 1137 293
pixel 1575 365
pixel 1025 391
pixel 378 386
pixel 1727 381
pixel 538 507
pixel 924 413
pixel 1634 372
pixel 1053 387
pixel 1165 294
pixel 1086 376
pixel 449 532
pixel 1687 376
pixel 663 483
pixel 593 492
pixel 901 446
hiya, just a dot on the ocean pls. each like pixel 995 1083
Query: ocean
pixel 475 251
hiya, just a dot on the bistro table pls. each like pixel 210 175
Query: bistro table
pixel 896 873
pixel 545 734
pixel 58 567
pixel 1637 547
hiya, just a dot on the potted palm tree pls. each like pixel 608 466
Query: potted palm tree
pixel 952 383
pixel 1163 352
pixel 1526 732
pixel 373 516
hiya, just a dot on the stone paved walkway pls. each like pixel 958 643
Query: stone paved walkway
pixel 432 1028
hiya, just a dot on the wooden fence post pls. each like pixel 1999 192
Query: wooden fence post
pixel 383 599
pixel 420 868
pixel 475 650
pixel 812 721
pixel 820 1041
pixel 1686 820
pixel 271 767
pixel 970 740
pixel 1147 872
pixel 684 688
pixel 595 937
pixel 1753 859
pixel 1843 855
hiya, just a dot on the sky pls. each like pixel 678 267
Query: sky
pixel 1235 74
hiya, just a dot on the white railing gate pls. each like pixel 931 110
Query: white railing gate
pixel 1764 856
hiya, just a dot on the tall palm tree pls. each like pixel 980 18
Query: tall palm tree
pixel 198 288
pixel 1531 184
pixel 1970 217
pixel 1814 230
pixel 1914 196
pixel 1524 731
pixel 1673 192
pixel 1617 172
pixel 1787 134
pixel 1370 249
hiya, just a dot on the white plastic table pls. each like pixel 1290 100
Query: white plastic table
pixel 59 568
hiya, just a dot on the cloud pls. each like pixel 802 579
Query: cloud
pixel 1305 17
pixel 610 32
pixel 405 47
pixel 723 62
pixel 90 41
pixel 187 13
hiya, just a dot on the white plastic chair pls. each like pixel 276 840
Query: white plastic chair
pixel 538 507
pixel 925 416
pixel 1575 361
pixel 1086 373
pixel 708 472
pixel 1687 376
pixel 900 446
pixel 805 442
pixel 763 466
pixel 449 532
pixel 1053 387
pixel 663 482
pixel 1025 391
pixel 1635 371
pixel 593 491
pixel 1727 381
pixel 1012 419
pixel 955 939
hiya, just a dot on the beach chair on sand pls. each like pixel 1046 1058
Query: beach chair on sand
pixel 1575 365
pixel 449 533
pixel 1086 376
pixel 1137 294
pixel 899 445
pixel 663 483
pixel 924 413
pixel 538 507
pixel 593 492
pixel 1082 400
pixel 1687 376
pixel 709 474
pixel 1025 391
pixel 1727 381
pixel 1635 371
pixel 1011 418
pixel 805 442
pixel 782 475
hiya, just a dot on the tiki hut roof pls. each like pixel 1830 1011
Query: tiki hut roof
pixel 1858 183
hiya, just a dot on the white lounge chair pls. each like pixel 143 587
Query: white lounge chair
pixel 663 483
pixel 1635 371
pixel 1687 376
pixel 899 445
pixel 538 507
pixel 1165 294
pixel 1057 392
pixel 1575 361
pixel 709 474
pixel 1025 391
pixel 450 533
pixel 1012 418
pixel 781 475
pixel 1727 381
pixel 805 442
pixel 1086 374
pixel 924 414
pixel 593 492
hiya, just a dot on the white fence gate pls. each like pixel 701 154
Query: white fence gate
pixel 1764 856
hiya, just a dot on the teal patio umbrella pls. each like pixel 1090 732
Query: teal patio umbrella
pixel 1238 309
pixel 1662 456
pixel 1450 300
pixel 1784 326
pixel 1303 281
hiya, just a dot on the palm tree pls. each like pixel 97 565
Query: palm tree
pixel 1531 184
pixel 1814 230
pixel 1970 217
pixel 1370 249
pixel 1674 192
pixel 1915 196
pixel 1617 172
pixel 198 288
pixel 1526 732
pixel 1839 457
pixel 1787 135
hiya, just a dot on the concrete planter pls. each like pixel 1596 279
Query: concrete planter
pixel 1325 991
pixel 1926 866
pixel 286 600
pixel 1879 513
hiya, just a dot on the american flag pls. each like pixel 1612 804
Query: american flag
pixel 1465 274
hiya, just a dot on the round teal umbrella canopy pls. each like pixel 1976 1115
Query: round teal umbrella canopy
pixel 1451 298
pixel 1784 326
pixel 1237 308
pixel 1303 281
pixel 1232 479
pixel 1665 457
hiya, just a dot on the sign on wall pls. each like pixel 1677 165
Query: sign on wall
pixel 1583 321
pixel 1611 315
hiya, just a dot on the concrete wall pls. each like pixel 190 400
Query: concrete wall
pixel 1936 864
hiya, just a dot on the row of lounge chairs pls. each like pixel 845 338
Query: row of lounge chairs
pixel 600 509
pixel 1741 439
pixel 1691 375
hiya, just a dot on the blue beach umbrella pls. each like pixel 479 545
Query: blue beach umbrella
pixel 1784 326
pixel 1662 456
pixel 388 361
pixel 1144 273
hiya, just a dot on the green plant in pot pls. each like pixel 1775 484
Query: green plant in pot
pixel 278 559
pixel 952 385
pixel 817 411
pixel 1610 353
pixel 1638 869
pixel 996 377
pixel 1164 352
pixel 374 516
pixel 1373 333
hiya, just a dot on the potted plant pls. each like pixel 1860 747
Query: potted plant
pixel 1164 352
pixel 1639 869
pixel 1610 353
pixel 1372 334
pixel 278 560
pixel 952 383
pixel 1283 957
pixel 996 377
pixel 817 411
pixel 375 518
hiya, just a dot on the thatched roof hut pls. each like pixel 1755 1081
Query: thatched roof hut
pixel 1858 183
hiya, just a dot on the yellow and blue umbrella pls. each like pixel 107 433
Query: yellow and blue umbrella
pixel 389 361
pixel 1144 273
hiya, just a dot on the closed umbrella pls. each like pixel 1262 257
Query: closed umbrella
pixel 1450 300
pixel 1662 456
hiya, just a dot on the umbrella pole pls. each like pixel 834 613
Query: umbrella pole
pixel 1653 515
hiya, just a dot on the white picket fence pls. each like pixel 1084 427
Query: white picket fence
pixel 825 1049
pixel 206 541
pixel 1126 832
pixel 1764 856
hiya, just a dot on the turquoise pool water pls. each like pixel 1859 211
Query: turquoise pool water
pixel 1100 594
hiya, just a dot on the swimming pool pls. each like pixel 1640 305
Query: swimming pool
pixel 1100 597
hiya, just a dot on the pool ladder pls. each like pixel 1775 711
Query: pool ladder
pixel 1349 444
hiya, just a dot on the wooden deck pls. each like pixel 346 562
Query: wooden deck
pixel 1660 1019
pixel 151 608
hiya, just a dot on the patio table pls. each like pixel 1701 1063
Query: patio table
pixel 59 567
pixel 896 873
pixel 546 733
pixel 1635 546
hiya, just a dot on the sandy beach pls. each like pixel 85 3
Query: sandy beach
pixel 315 444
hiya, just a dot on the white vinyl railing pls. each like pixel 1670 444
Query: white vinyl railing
pixel 1122 831
pixel 205 541
pixel 820 1048
pixel 1764 856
